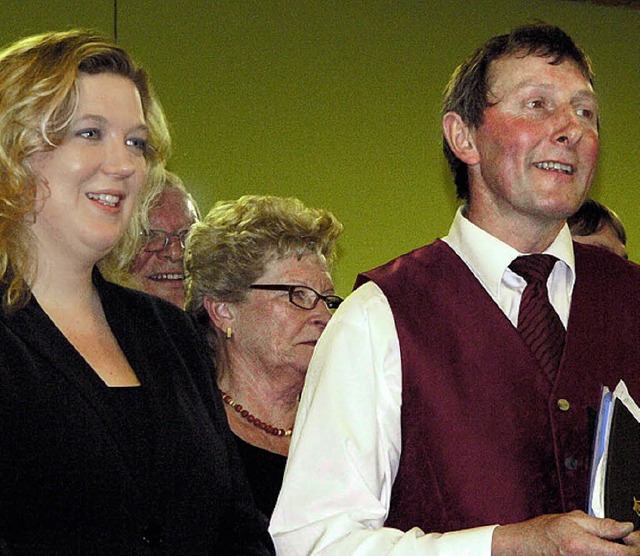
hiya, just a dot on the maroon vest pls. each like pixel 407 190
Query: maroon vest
pixel 486 438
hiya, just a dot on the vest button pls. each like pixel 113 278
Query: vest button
pixel 563 405
pixel 571 463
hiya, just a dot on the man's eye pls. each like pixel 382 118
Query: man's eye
pixel 535 103
pixel 586 113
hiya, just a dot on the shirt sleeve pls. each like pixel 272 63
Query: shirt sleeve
pixel 346 447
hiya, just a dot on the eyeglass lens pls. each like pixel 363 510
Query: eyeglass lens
pixel 158 240
pixel 303 296
pixel 308 298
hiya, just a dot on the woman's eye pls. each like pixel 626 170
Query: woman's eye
pixel 138 143
pixel 89 133
pixel 298 295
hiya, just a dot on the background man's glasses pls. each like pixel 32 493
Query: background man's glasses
pixel 158 240
pixel 303 296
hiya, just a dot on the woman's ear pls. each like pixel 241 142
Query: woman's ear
pixel 220 313
pixel 460 138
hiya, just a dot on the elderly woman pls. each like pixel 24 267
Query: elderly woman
pixel 110 441
pixel 258 283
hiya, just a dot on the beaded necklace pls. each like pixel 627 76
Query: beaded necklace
pixel 269 429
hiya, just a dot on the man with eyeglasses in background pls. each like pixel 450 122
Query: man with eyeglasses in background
pixel 158 268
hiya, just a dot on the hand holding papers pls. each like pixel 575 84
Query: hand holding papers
pixel 615 472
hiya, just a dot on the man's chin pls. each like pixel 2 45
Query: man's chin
pixel 172 291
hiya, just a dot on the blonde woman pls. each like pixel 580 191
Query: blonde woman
pixel 108 446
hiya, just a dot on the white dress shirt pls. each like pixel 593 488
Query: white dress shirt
pixel 346 443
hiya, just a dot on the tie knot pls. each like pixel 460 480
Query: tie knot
pixel 534 268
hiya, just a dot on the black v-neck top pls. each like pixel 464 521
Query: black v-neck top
pixel 265 471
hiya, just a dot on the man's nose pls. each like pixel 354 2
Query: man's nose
pixel 173 250
pixel 569 129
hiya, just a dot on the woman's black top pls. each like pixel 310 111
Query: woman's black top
pixel 265 471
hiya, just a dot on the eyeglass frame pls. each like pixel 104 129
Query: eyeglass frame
pixel 328 299
pixel 181 236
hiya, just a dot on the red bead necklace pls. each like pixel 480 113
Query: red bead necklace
pixel 269 429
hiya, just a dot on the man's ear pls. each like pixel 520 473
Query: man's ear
pixel 460 138
pixel 220 313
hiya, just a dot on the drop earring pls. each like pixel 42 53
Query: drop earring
pixel 229 332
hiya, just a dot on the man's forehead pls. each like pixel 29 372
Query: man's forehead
pixel 173 206
pixel 523 69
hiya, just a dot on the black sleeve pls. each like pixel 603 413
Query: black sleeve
pixel 4 548
pixel 244 531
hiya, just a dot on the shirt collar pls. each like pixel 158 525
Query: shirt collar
pixel 488 257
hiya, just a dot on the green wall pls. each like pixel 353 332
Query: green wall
pixel 337 102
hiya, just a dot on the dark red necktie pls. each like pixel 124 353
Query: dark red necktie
pixel 538 323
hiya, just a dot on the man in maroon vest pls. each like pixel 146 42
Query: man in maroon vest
pixel 441 414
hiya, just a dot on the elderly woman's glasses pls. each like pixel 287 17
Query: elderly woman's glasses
pixel 158 240
pixel 303 296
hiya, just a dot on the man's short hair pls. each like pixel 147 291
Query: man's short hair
pixel 468 89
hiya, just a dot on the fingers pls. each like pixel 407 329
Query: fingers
pixel 633 539
pixel 575 533
pixel 611 529
pixel 604 528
